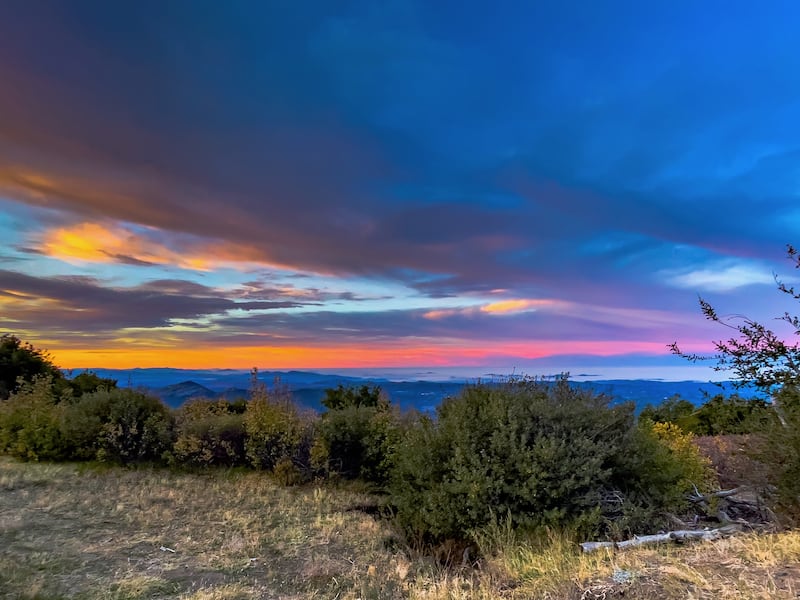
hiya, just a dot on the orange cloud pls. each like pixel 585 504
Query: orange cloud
pixel 516 305
pixel 105 243
pixel 501 307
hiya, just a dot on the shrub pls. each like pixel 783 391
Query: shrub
pixel 118 425
pixel 538 452
pixel 31 422
pixel 541 455
pixel 657 470
pixel 342 397
pixel 210 432
pixel 777 447
pixel 671 410
pixel 276 431
pixel 732 415
pixel 357 442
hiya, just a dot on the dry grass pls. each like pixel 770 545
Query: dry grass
pixel 70 532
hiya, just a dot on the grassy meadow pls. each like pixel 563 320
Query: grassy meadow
pixel 83 531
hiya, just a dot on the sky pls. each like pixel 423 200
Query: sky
pixel 205 184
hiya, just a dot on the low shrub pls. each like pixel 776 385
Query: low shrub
pixel 276 430
pixel 777 447
pixel 31 422
pixel 210 432
pixel 357 442
pixel 118 425
pixel 655 471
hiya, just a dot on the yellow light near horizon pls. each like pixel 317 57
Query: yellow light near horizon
pixel 440 354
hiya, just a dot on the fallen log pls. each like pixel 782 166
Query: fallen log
pixel 662 538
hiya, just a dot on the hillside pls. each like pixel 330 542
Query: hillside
pixel 68 532
pixel 175 386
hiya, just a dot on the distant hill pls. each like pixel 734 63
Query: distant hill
pixel 308 388
pixel 176 394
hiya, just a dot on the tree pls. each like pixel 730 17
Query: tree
pixel 343 397
pixel 755 354
pixel 20 359
pixel 88 382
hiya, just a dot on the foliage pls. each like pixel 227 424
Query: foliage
pixel 118 425
pixel 778 450
pixel 671 410
pixel 756 355
pixel 210 432
pixel 732 415
pixel 30 422
pixel 276 430
pixel 343 397
pixel 357 441
pixel 695 469
pixel 21 361
pixel 760 357
pixel 535 451
pixel 88 382
pixel 719 415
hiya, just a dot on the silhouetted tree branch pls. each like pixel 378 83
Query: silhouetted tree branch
pixel 755 354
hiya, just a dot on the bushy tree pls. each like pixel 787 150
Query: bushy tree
pixel 671 410
pixel 718 415
pixel 21 361
pixel 342 397
pixel 88 382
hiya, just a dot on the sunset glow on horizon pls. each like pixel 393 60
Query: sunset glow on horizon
pixel 397 185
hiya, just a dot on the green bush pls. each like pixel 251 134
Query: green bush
pixel 118 425
pixel 731 415
pixel 671 410
pixel 342 397
pixel 538 452
pixel 357 442
pixel 210 432
pixel 276 431
pixel 659 465
pixel 542 455
pixel 777 447
pixel 31 422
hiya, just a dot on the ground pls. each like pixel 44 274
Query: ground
pixel 71 531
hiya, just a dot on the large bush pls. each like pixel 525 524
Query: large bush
pixel 210 432
pixel 539 454
pixel 118 425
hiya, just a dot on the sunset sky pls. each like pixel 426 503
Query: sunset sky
pixel 412 183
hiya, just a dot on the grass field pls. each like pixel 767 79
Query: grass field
pixel 68 531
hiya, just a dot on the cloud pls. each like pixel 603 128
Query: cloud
pixel 721 278
pixel 97 242
pixel 81 304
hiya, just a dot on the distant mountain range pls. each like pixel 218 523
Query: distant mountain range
pixel 176 386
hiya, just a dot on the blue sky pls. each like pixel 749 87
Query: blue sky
pixel 392 183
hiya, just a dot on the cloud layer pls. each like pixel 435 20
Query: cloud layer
pixel 429 183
